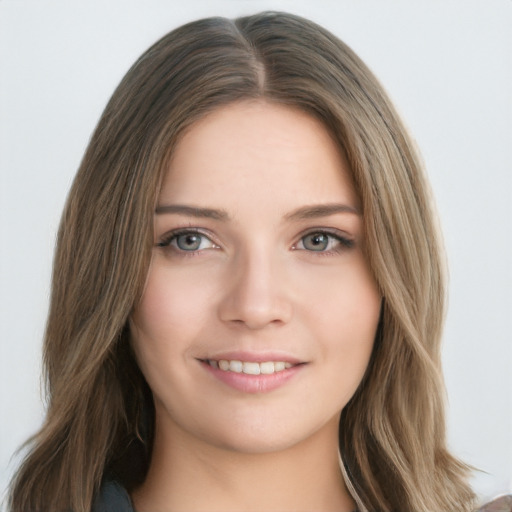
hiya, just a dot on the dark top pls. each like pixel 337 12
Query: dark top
pixel 113 498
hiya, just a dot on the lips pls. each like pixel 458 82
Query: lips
pixel 251 372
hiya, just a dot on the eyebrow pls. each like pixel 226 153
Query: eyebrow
pixel 302 213
pixel 320 210
pixel 193 211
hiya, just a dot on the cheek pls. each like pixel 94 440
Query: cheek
pixel 359 312
pixel 172 305
pixel 166 322
pixel 345 313
pixel 346 300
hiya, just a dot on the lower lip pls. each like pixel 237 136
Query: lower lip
pixel 254 383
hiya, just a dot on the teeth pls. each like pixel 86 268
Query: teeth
pixel 236 366
pixel 250 368
pixel 269 367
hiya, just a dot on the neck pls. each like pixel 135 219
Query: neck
pixel 186 475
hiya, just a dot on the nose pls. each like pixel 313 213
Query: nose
pixel 256 293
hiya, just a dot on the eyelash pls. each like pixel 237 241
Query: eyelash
pixel 343 242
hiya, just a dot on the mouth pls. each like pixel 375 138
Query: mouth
pixel 252 376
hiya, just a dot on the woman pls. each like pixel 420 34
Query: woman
pixel 248 292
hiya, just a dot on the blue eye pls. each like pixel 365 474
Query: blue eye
pixel 316 242
pixel 320 241
pixel 187 241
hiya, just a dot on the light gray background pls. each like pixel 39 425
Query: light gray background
pixel 446 64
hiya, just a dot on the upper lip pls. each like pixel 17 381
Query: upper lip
pixel 253 357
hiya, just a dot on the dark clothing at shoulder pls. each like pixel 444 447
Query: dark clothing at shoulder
pixel 112 498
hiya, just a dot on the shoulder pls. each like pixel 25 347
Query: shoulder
pixel 112 498
pixel 501 504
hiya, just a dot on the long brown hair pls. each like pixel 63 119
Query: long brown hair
pixel 100 411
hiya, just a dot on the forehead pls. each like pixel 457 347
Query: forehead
pixel 256 150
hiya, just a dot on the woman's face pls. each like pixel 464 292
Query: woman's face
pixel 259 313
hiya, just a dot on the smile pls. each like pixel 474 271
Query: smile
pixel 250 367
pixel 250 376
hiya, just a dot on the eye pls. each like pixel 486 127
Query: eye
pixel 187 241
pixel 321 241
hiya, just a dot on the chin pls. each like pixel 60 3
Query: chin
pixel 264 436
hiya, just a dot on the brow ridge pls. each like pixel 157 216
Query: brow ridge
pixel 321 210
pixel 302 213
pixel 193 211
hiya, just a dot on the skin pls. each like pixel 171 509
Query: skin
pixel 256 283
